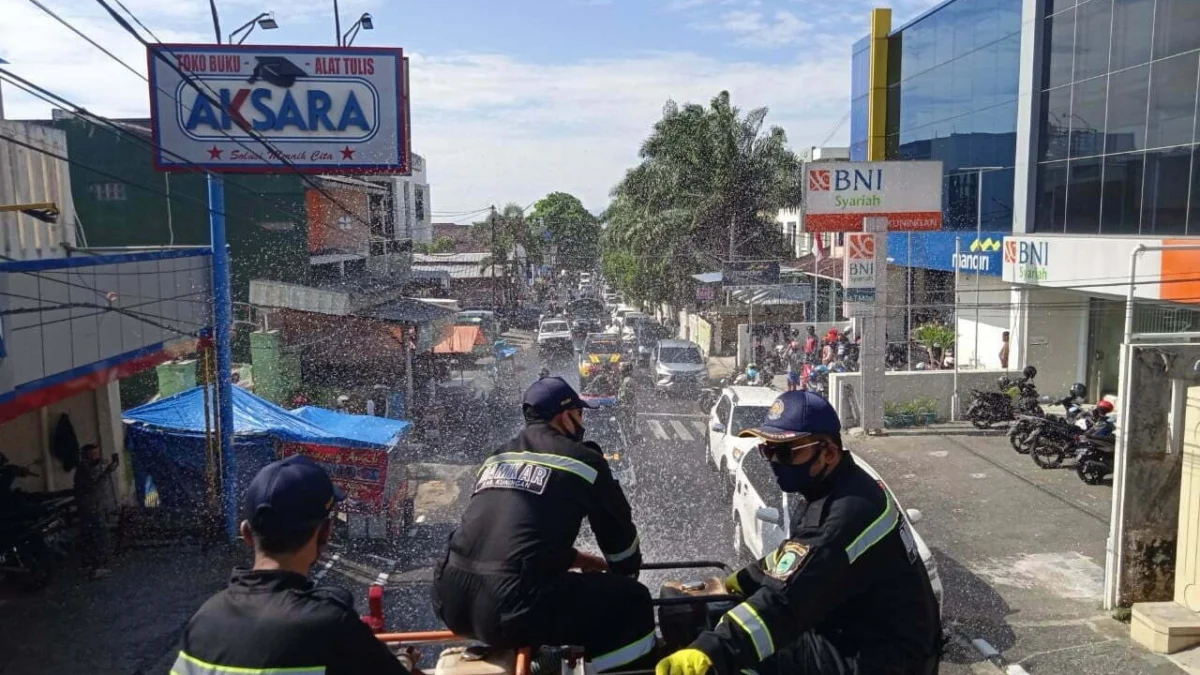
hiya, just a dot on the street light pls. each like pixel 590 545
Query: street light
pixel 265 21
pixel 364 22
pixel 979 171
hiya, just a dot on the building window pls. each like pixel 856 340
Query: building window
pixel 419 201
pixel 108 192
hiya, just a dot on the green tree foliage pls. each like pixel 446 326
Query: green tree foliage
pixel 707 190
pixel 574 231
pixel 512 239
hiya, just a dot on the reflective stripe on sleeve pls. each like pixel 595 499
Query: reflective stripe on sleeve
pixel 875 532
pixel 624 655
pixel 186 664
pixel 558 462
pixel 747 618
pixel 626 554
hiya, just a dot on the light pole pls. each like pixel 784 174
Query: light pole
pixel 979 171
pixel 364 23
pixel 265 21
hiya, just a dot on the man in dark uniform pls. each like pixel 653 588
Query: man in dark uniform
pixel 847 592
pixel 270 619
pixel 506 578
pixel 91 477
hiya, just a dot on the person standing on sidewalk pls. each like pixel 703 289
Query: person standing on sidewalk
pixel 90 477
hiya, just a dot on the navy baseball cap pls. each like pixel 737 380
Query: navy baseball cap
pixel 290 495
pixel 796 414
pixel 551 395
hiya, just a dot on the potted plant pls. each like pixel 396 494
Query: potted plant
pixel 908 414
pixel 926 410
pixel 891 414
pixel 936 337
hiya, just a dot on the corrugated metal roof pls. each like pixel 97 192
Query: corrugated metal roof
pixel 408 310
pixel 448 258
pixel 462 270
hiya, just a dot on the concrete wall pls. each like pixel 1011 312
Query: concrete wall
pixel 1147 507
pixel 902 387
pixel 989 305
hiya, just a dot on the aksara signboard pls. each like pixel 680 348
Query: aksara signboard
pixel 322 109
pixel 838 195
pixel 859 274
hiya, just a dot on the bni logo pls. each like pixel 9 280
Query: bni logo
pixel 819 180
pixel 1010 251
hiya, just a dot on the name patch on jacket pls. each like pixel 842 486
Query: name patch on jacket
pixel 513 476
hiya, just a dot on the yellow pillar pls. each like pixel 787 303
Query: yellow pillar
pixel 881 26
pixel 1168 627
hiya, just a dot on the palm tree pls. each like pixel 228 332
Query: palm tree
pixel 706 191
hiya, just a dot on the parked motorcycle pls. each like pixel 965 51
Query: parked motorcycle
pixel 990 407
pixel 1094 458
pixel 1020 432
pixel 33 540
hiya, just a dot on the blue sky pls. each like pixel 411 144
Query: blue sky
pixel 511 99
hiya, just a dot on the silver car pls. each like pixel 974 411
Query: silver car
pixel 679 366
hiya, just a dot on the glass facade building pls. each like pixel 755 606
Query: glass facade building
pixel 952 96
pixel 1118 148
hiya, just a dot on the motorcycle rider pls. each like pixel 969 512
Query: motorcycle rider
pixel 604 383
pixel 271 619
pixel 752 376
pixel 847 592
pixel 1100 426
pixel 505 578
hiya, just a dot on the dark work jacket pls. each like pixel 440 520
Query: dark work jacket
pixel 530 500
pixel 850 571
pixel 270 620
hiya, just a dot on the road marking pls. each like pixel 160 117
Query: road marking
pixel 328 563
pixel 701 427
pixel 657 428
pixel 682 430
pixel 692 416
pixel 939 453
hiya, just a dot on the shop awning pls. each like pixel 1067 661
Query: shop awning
pixel 709 277
pixel 777 294
pixel 462 340
pixel 826 268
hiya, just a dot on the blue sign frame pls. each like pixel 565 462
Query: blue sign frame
pixel 935 250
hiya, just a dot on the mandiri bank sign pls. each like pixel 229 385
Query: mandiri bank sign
pixel 320 109
pixel 838 195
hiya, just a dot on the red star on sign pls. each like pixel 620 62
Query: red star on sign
pixel 214 152
pixel 347 153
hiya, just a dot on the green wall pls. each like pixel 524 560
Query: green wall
pixel 141 218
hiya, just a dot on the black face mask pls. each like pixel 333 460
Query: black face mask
pixel 577 434
pixel 796 478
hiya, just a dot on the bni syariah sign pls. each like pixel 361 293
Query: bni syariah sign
pixel 321 109
pixel 859 276
pixel 838 195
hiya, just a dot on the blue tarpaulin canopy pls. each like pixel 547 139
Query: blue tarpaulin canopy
pixel 166 439
pixel 377 431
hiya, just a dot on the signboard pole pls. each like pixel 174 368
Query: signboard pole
pixel 222 338
pixel 954 403
pixel 874 347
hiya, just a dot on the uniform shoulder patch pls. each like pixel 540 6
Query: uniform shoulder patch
pixel 787 560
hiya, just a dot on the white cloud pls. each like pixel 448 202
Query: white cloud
pixel 758 30
pixel 492 127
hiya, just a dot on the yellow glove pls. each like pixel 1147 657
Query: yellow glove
pixel 733 585
pixel 684 662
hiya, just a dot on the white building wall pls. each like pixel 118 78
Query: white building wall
pixel 982 314
pixel 1050 332
pixel 414 209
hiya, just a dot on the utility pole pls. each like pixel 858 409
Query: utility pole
pixel 493 271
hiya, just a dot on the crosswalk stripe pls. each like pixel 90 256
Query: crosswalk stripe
pixel 700 426
pixel 657 428
pixel 682 430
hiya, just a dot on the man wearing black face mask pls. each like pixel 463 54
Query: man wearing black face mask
pixel 847 592
pixel 505 579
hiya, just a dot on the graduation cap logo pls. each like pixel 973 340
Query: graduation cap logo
pixel 277 71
